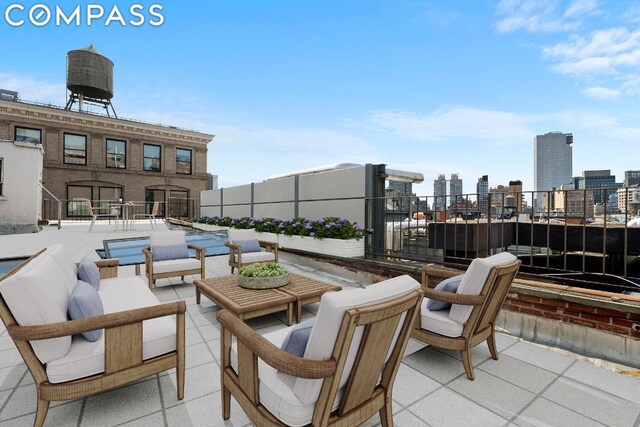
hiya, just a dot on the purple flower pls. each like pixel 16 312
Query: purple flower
pixel 344 220
pixel 358 227
pixel 312 234
pixel 370 230
pixel 281 225
pixel 328 226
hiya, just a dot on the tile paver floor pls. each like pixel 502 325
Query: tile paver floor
pixel 530 385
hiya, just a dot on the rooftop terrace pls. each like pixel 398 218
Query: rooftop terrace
pixel 528 385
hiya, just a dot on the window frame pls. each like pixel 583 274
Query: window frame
pixel 69 200
pixel 144 157
pixel 64 148
pixel 15 133
pixel 190 161
pixel 106 153
pixel 1 175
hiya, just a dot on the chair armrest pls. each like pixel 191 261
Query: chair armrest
pixel 232 246
pixel 111 320
pixel 452 298
pixel 108 267
pixel 269 246
pixel 200 251
pixel 272 355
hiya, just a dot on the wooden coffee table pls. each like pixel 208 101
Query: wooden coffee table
pixel 249 303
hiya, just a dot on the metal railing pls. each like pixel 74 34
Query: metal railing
pixel 54 209
pixel 58 203
pixel 552 232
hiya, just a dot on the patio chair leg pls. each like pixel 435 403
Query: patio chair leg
pixel 491 342
pixel 41 412
pixel 386 413
pixel 226 403
pixel 231 270
pixel 93 222
pixel 466 361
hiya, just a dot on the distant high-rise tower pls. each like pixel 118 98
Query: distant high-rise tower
pixel 597 179
pixel 631 178
pixel 404 188
pixel 212 181
pixel 482 188
pixel 440 193
pixel 552 162
pixel 455 189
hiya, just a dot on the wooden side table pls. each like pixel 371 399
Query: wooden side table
pixel 306 291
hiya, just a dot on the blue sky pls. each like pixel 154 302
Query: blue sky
pixel 426 86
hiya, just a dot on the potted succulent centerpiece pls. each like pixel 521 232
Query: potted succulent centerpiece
pixel 263 276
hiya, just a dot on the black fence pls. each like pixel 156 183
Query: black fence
pixel 565 233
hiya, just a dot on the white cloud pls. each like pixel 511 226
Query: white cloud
pixel 31 89
pixel 458 122
pixel 599 92
pixel 581 7
pixel 541 16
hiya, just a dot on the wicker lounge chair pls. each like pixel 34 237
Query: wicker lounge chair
pixel 349 366
pixel 471 318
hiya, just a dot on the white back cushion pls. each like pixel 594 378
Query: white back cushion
pixel 237 234
pixel 325 331
pixel 474 280
pixel 161 238
pixel 39 294
pixel 66 263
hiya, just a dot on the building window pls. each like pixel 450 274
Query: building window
pixel 116 154
pixel 152 160
pixel 77 207
pixel 151 196
pixel 75 149
pixel 109 196
pixel 179 204
pixel 1 175
pixel 183 161
pixel 23 134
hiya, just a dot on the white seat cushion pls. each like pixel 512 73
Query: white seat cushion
pixel 258 257
pixel 237 234
pixel 38 294
pixel 161 238
pixel 438 321
pixel 177 265
pixel 329 319
pixel 276 388
pixel 87 358
pixel 474 280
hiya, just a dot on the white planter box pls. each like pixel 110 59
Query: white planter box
pixel 208 227
pixel 269 237
pixel 335 247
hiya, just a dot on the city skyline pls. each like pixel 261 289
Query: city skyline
pixel 437 87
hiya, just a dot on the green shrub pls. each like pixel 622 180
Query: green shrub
pixel 270 269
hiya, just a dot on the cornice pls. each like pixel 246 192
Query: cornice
pixel 58 117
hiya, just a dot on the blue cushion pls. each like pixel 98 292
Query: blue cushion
pixel 296 340
pixel 247 246
pixel 88 272
pixel 448 285
pixel 85 302
pixel 166 252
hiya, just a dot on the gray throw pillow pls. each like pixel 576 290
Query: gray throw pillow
pixel 247 246
pixel 88 272
pixel 296 340
pixel 85 302
pixel 167 252
pixel 448 285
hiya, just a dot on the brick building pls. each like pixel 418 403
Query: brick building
pixel 104 158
